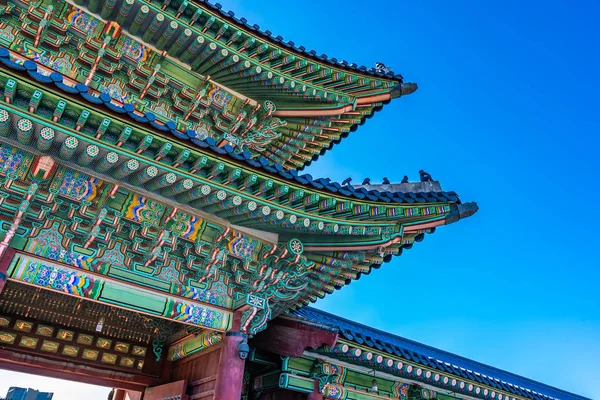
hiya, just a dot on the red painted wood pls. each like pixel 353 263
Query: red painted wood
pixel 291 338
pixel 173 390
pixel 119 394
pixel 129 395
pixel 30 364
pixel 4 263
pixel 315 395
pixel 231 369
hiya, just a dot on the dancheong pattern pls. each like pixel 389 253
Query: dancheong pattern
pixel 14 161
pixel 78 283
pixel 142 210
pixel 75 185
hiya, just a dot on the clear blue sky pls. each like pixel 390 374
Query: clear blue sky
pixel 507 115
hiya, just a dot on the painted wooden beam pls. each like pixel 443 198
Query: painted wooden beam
pixel 87 285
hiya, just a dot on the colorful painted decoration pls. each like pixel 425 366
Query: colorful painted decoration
pixel 122 347
pixel 84 22
pixel 44 330
pixel 14 162
pixel 75 185
pixel 139 209
pixel 109 358
pixel 133 49
pixel 189 346
pixel 78 283
pixel 85 339
pixel 186 226
pixel 150 155
pixel 335 392
pixel 8 338
pixel 49 346
pixel 103 343
pixel 138 351
pixel 29 342
pixel 243 246
pixel 64 334
pixel 89 354
pixel 127 362
pixel 23 326
pixel 71 351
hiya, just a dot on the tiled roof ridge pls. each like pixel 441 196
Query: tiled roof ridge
pixel 418 344
pixel 278 40
pixel 55 78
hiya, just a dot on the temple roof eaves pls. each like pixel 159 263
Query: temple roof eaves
pixel 301 50
pixel 433 357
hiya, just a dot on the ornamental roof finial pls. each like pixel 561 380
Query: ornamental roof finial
pixel 380 67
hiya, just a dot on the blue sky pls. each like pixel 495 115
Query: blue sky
pixel 506 115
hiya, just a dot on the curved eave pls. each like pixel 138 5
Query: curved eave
pixel 328 278
pixel 324 88
pixel 431 358
pixel 148 120
pixel 279 41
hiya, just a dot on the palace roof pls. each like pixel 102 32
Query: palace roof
pixel 418 195
pixel 346 230
pixel 437 359
pixel 201 70
pixel 243 22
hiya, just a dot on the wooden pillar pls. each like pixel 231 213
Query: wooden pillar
pixel 119 394
pixel 231 368
pixel 7 257
pixel 230 376
pixel 316 394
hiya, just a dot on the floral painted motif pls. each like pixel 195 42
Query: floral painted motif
pixel 48 244
pixel 78 283
pixel 195 314
pixel 187 226
pixel 139 209
pixel 115 91
pixel 243 247
pixel 400 390
pixel 169 273
pixel 335 392
pixel 220 97
pixel 14 161
pixel 207 296
pixel 84 22
pixel 161 109
pixel 7 34
pixel 57 278
pixel 75 185
pixel 132 49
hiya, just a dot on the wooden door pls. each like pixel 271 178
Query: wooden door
pixel 169 391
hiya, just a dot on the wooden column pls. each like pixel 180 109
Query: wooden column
pixel 316 394
pixel 7 257
pixel 231 368
pixel 119 394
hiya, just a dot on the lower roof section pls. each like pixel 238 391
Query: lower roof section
pixel 434 358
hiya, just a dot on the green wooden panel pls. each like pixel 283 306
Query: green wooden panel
pixel 133 298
